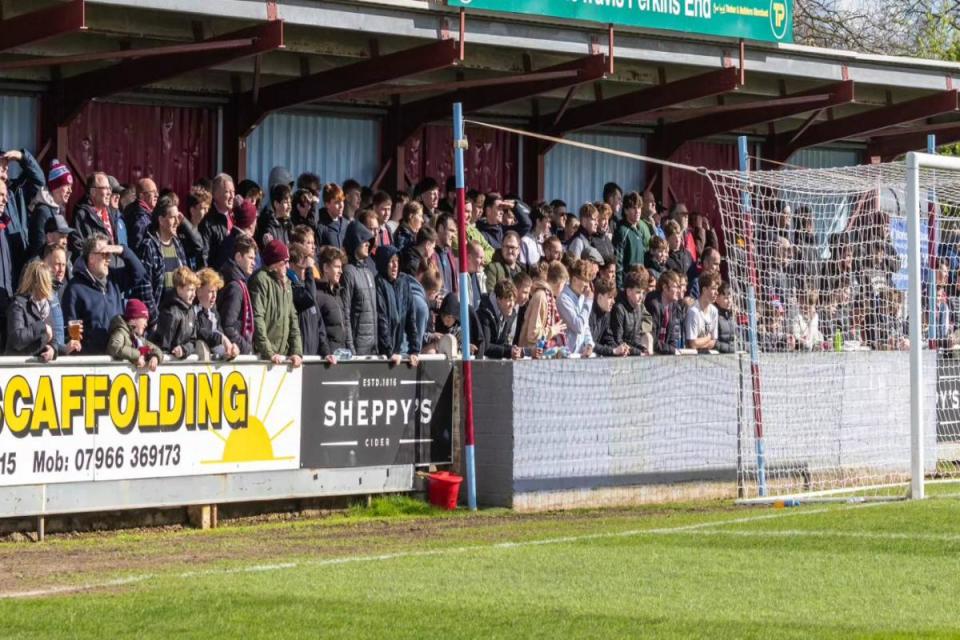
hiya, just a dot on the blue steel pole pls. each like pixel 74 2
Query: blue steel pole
pixel 752 315
pixel 933 248
pixel 459 143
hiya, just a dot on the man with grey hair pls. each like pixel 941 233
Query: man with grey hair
pixel 218 222
pixel 138 213
pixel 96 292
pixel 94 214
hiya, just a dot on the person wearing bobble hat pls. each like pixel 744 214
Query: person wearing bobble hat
pixel 50 202
pixel 276 328
pixel 127 341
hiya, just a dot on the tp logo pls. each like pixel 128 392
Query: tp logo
pixel 778 18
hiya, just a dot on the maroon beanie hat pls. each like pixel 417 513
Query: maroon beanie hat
pixel 135 309
pixel 245 215
pixel 274 252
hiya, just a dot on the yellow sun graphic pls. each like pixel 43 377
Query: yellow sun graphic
pixel 254 443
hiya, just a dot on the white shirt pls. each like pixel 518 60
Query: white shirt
pixel 530 251
pixel 701 323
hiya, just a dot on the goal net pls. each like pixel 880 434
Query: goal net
pixel 817 263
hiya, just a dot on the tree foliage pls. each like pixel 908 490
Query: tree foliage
pixel 917 28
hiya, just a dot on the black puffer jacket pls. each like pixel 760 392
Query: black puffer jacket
pixel 497 331
pixel 628 324
pixel 359 293
pixel 193 244
pixel 726 331
pixel 335 323
pixel 604 344
pixel 177 326
pixel 26 330
pixel 305 302
pixel 213 230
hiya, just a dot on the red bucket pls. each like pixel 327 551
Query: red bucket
pixel 443 489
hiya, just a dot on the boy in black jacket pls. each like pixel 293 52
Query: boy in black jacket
pixel 630 324
pixel 208 319
pixel 667 314
pixel 177 327
pixel 498 321
pixel 604 297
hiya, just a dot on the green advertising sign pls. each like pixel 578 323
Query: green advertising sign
pixel 768 20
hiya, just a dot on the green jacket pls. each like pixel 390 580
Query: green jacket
pixel 498 270
pixel 122 346
pixel 474 235
pixel 276 329
pixel 630 245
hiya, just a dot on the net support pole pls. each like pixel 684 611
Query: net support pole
pixel 914 270
pixel 933 249
pixel 459 144
pixel 743 152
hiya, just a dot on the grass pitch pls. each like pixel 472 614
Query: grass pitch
pixel 690 571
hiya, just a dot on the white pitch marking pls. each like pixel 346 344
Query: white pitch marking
pixel 257 568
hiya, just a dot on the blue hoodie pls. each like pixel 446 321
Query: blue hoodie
pixel 397 330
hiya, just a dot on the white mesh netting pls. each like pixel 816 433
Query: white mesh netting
pixel 821 255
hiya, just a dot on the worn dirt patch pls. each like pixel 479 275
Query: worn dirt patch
pixel 73 559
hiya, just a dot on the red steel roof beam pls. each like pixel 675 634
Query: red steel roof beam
pixel 348 78
pixel 650 99
pixel 862 124
pixel 732 118
pixel 589 69
pixel 891 146
pixel 40 25
pixel 77 90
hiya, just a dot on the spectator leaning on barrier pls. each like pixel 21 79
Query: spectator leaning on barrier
pixel 276 332
pixel 29 323
pixel 630 323
pixel 138 214
pixel 50 202
pixel 542 326
pixel 127 341
pixel 629 241
pixel 176 332
pixel 604 297
pixel 574 305
pixel 236 312
pixel 305 298
pixel 208 319
pixel 219 219
pixel 701 325
pixel 55 258
pixel 161 252
pixel 396 322
pixel 726 322
pixel 96 291
pixel 358 291
pixel 498 321
pixel 667 314
pixel 336 334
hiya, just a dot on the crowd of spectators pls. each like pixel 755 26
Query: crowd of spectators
pixel 297 267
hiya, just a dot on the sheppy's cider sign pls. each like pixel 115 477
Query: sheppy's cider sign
pixel 112 424
pixel 765 20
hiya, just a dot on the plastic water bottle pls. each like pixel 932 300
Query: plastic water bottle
pixel 838 340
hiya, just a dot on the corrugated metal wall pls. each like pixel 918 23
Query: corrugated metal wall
pixel 335 148
pixel 489 162
pixel 18 125
pixel 825 158
pixel 172 145
pixel 577 175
